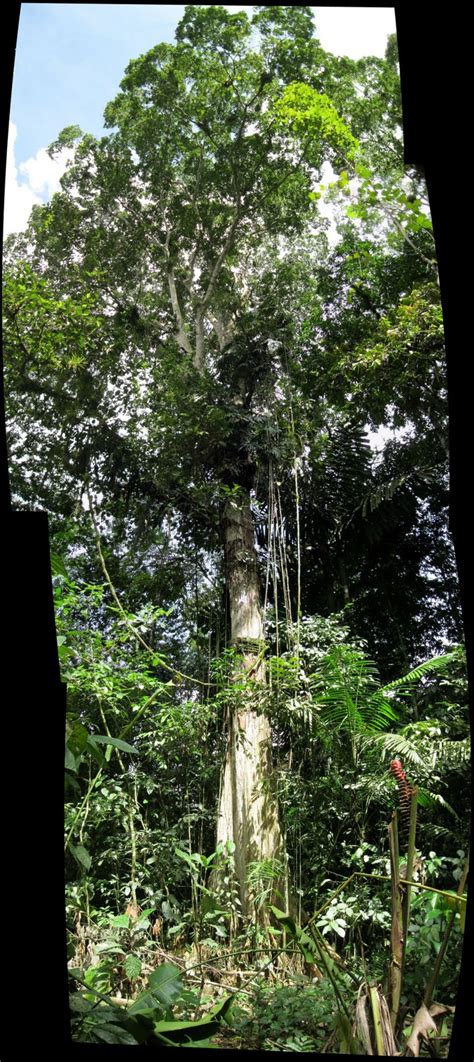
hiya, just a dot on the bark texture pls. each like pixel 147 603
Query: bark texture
pixel 248 807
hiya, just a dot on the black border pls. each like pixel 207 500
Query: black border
pixel 434 83
pixel 433 65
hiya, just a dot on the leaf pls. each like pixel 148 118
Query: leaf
pixel 456 903
pixel 146 1006
pixel 122 921
pixel 186 856
pixel 66 139
pixel 437 663
pixel 422 1025
pixel 302 939
pixel 362 171
pixel 81 855
pixel 430 800
pixel 69 760
pixel 132 967
pixel 78 737
pixel 144 914
pixel 201 1044
pixel 117 743
pixel 109 949
pixel 178 1031
pixel 166 910
pixel 114 1034
pixel 285 919
pixel 395 743
pixel 347 1041
pixel 165 983
pixel 140 1025
pixel 58 566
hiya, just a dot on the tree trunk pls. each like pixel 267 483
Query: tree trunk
pixel 248 807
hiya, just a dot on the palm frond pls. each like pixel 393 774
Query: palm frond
pixel 347 693
pixel 428 799
pixel 398 745
pixel 453 753
pixel 384 492
pixel 404 684
pixel 412 746
pixel 379 712
pixel 338 708
pixel 438 833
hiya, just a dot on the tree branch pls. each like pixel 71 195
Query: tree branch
pixel 182 337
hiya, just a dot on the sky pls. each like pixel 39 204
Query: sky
pixel 70 59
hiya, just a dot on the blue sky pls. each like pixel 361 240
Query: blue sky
pixel 70 59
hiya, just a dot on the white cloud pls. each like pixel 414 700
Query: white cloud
pixel 19 198
pixel 32 182
pixel 351 31
pixel 354 31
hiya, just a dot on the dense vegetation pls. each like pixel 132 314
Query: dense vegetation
pixel 257 609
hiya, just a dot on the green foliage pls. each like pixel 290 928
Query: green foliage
pixel 312 116
pixel 179 333
pixel 148 1020
pixel 215 898
pixel 44 332
pixel 430 913
pixel 66 139
pixel 300 1014
pixel 261 877
pixel 348 694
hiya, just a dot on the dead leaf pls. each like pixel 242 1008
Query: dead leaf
pixel 441 1008
pixel 422 1025
pixel 387 1031
pixel 361 1021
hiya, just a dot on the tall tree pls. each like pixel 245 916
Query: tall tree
pixel 173 347
pixel 215 145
